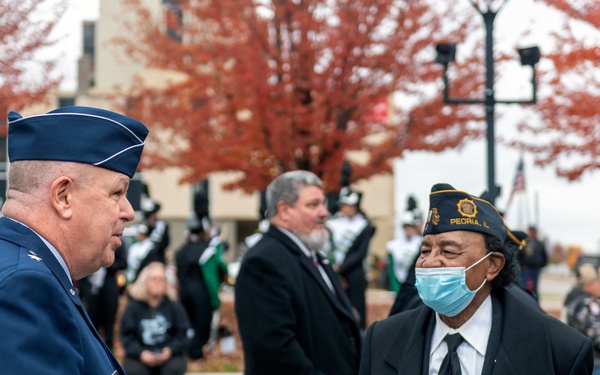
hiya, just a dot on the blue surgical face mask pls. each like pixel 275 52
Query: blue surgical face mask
pixel 444 289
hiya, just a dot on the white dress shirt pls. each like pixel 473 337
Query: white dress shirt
pixel 476 333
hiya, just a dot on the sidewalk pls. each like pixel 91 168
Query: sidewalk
pixel 554 284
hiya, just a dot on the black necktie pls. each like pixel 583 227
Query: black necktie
pixel 451 364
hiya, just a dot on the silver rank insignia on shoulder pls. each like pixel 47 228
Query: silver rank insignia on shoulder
pixel 34 256
pixel 72 291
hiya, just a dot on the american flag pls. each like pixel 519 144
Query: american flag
pixel 519 184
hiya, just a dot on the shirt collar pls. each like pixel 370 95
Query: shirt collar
pixel 297 241
pixel 475 331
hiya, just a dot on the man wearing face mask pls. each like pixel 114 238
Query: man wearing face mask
pixel 469 323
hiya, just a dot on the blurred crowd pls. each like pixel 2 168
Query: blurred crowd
pixel 168 300
pixel 171 312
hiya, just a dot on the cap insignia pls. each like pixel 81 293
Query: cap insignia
pixel 467 208
pixel 435 216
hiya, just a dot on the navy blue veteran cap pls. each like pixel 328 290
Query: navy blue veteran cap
pixel 79 134
pixel 451 210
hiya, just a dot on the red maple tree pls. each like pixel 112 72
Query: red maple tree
pixel 264 88
pixel 25 31
pixel 568 135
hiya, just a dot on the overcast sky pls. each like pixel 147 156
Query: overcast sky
pixel 69 30
pixel 567 212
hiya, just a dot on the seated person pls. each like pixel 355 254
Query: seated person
pixel 154 326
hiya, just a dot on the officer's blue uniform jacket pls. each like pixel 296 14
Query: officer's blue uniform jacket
pixel 44 327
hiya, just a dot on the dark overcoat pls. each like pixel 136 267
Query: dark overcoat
pixel 353 270
pixel 103 305
pixel 45 328
pixel 526 341
pixel 194 294
pixel 289 320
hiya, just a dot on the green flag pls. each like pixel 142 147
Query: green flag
pixel 213 269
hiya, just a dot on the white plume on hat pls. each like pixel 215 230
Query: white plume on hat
pixel 409 218
pixel 349 197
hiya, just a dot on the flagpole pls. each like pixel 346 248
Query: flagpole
pixel 508 203
pixel 537 209
pixel 527 210
pixel 518 184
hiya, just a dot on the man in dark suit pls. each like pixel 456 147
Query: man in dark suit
pixel 532 259
pixel 351 234
pixel 100 293
pixel 65 211
pixel 294 317
pixel 469 323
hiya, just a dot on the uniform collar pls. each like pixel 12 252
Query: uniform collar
pixel 53 250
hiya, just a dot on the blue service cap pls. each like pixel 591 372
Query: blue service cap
pixel 451 210
pixel 79 134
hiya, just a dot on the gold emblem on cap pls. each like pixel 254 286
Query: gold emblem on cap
pixel 435 216
pixel 467 208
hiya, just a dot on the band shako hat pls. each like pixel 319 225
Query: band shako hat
pixel 349 197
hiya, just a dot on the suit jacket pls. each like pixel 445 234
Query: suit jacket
pixel 352 269
pixel 527 342
pixel 289 320
pixel 45 328
pixel 102 305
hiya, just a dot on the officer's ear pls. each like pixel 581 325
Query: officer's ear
pixel 61 196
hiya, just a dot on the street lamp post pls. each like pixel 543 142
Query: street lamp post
pixel 529 56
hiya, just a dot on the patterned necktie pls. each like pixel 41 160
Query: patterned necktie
pixel 451 363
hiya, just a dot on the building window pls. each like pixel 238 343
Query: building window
pixel 173 19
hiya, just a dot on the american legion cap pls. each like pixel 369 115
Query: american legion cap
pixel 452 210
pixel 79 134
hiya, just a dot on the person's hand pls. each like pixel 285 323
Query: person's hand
pixel 344 283
pixel 150 359
pixel 166 353
pixel 163 356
